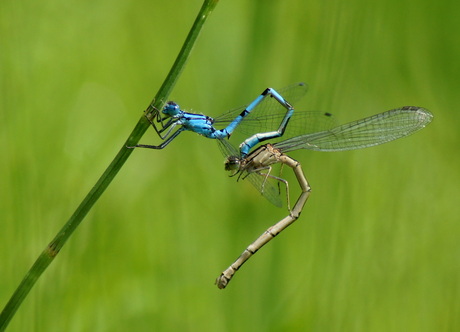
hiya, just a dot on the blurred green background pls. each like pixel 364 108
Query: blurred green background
pixel 377 246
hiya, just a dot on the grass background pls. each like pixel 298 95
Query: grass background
pixel 377 246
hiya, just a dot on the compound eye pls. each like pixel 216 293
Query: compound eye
pixel 171 108
pixel 232 163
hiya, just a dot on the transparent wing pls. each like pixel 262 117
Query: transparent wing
pixel 267 115
pixel 301 123
pixel 227 148
pixel 370 131
pixel 306 122
pixel 266 188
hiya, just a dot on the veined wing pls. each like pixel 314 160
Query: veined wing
pixel 306 122
pixel 267 115
pixel 266 188
pixel 370 131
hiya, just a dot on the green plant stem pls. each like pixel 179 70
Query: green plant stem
pixel 53 248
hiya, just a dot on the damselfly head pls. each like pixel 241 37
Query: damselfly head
pixel 232 163
pixel 171 109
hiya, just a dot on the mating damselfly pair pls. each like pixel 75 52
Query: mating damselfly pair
pixel 271 116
